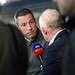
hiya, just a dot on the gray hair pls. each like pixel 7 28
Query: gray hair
pixel 50 18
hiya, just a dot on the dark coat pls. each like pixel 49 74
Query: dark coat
pixel 13 54
pixel 69 57
pixel 34 63
pixel 53 55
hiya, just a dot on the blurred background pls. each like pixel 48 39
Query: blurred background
pixel 9 7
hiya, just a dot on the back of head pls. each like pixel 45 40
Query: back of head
pixel 50 18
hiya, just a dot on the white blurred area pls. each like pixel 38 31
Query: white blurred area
pixel 8 9
pixel 2 2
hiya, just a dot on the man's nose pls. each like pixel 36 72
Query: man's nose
pixel 29 26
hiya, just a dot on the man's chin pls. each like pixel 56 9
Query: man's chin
pixel 31 37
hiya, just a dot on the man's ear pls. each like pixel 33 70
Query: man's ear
pixel 44 31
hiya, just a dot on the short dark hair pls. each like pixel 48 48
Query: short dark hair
pixel 22 12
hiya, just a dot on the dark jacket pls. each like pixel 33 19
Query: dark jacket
pixel 69 57
pixel 53 55
pixel 13 54
pixel 34 63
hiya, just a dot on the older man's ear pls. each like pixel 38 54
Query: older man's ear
pixel 44 31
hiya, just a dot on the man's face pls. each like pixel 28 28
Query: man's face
pixel 27 25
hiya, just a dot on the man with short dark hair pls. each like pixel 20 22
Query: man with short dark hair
pixel 26 23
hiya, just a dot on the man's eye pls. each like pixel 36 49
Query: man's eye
pixel 31 21
pixel 23 24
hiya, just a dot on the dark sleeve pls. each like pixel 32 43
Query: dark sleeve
pixel 21 47
pixel 69 57
pixel 13 53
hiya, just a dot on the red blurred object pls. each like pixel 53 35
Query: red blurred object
pixel 38 51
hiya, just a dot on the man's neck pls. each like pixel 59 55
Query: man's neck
pixel 56 32
pixel 29 40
